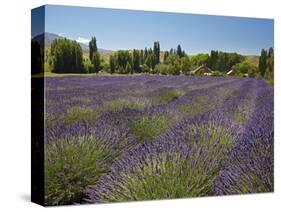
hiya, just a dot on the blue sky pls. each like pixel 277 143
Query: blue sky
pixel 128 29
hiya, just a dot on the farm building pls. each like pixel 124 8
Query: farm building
pixel 230 73
pixel 202 70
pixel 236 73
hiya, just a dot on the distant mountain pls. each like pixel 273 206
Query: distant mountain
pixel 50 37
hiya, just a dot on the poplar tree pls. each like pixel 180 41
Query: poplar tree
pixel 262 62
pixel 156 51
pixel 179 51
pixel 112 64
pixel 92 47
pixel 136 60
pixel 94 55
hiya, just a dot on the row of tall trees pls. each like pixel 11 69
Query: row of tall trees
pixel 148 60
pixel 175 62
pixel 266 64
pixel 94 56
pixel 66 56
pixel 144 60
pixel 245 68
pixel 223 61
pixel 136 61
pixel 218 60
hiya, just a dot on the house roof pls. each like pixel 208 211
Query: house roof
pixel 206 68
pixel 230 72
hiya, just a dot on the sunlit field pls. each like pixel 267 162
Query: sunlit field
pixel 127 138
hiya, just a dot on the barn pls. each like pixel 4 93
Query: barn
pixel 202 70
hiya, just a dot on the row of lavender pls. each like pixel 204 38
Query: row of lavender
pixel 111 139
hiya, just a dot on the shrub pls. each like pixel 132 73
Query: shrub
pixel 144 68
pixel 88 67
pixel 199 104
pixel 245 68
pixel 80 114
pixel 168 94
pixel 148 128
pixel 120 104
pixel 71 165
pixel 161 69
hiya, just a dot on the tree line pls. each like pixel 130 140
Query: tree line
pixel 66 56
pixel 135 61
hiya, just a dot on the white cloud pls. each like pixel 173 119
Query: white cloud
pixel 62 34
pixel 82 40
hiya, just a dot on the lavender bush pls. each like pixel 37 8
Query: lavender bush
pixel 112 139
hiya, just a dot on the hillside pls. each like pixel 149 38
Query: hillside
pixel 50 37
pixel 252 59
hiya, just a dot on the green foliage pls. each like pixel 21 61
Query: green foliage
pixel 176 178
pixel 151 60
pixel 128 69
pixel 168 94
pixel 94 56
pixel 92 48
pixel 218 74
pixel 262 62
pixel 177 175
pixel 147 128
pixel 141 56
pixel 180 52
pixel 50 120
pixel 185 64
pixel 112 64
pixel 213 60
pixel 96 62
pixel 144 68
pixel 173 65
pixel 227 60
pixel 105 66
pixel 252 59
pixel 198 60
pixel 156 52
pixel 223 61
pixel 122 58
pixel 269 76
pixel 210 133
pixel 88 67
pixel 166 55
pixel 66 56
pixel 120 104
pixel 266 65
pixel 161 69
pixel 136 61
pixel 173 61
pixel 199 104
pixel 80 114
pixel 252 72
pixel 245 68
pixel 70 166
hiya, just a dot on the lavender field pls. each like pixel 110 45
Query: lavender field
pixel 128 138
